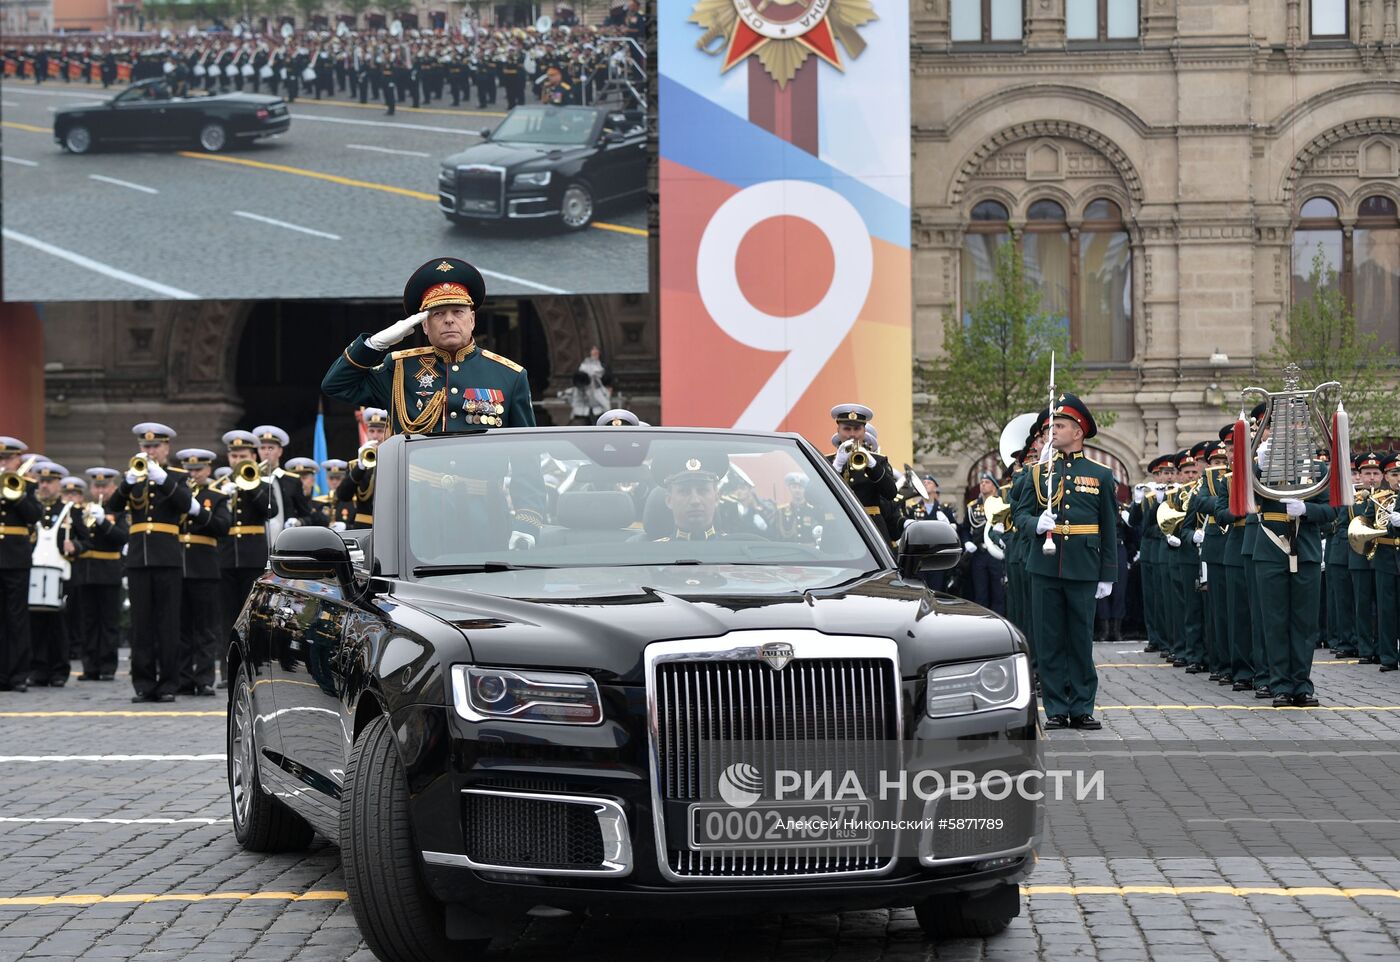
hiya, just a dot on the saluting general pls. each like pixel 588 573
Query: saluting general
pixel 452 386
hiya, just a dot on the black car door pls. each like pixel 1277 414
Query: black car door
pixel 620 164
pixel 137 117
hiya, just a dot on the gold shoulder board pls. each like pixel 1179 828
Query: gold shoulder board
pixel 493 356
pixel 411 352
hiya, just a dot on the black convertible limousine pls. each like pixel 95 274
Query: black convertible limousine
pixel 147 114
pixel 506 695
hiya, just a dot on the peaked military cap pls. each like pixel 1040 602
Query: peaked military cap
pixel 1391 461
pixel 9 446
pixel 376 418
pixel 72 483
pixel 195 457
pixel 1368 460
pixel 335 466
pixel 681 464
pixel 443 282
pixel 1227 433
pixel 852 414
pixel 270 434
pixel 1217 449
pixel 153 432
pixel 103 474
pixel 1159 462
pixel 797 478
pixel 48 471
pixel 235 440
pixel 1070 406
pixel 302 466
pixel 1201 449
pixel 618 418
pixel 223 472
pixel 1257 412
pixel 1184 458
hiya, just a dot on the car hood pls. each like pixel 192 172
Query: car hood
pixel 605 628
pixel 511 155
pixel 79 108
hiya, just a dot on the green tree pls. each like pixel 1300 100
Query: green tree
pixel 1321 337
pixel 995 364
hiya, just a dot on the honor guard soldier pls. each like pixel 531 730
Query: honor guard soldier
pixel 19 511
pixel 1215 484
pixel 293 507
pixel 1237 562
pixel 73 490
pixel 798 520
pixel 449 387
pixel 341 513
pixel 243 551
pixel 691 485
pixel 356 489
pixel 1070 500
pixel 200 608
pixel 1184 564
pixel 1363 582
pixel 157 500
pixel 48 631
pixel 867 472
pixel 305 471
pixel 1151 544
pixel 1019 541
pixel 100 564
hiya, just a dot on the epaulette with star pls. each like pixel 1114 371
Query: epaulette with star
pixel 411 352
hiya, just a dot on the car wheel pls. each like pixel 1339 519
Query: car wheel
pixel 78 140
pixel 397 915
pixel 261 823
pixel 948 917
pixel 213 137
pixel 576 206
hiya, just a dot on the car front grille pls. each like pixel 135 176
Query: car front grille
pixel 523 832
pixel 966 827
pixel 815 713
pixel 480 190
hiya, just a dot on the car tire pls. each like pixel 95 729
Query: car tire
pixel 398 917
pixel 77 139
pixel 947 917
pixel 576 206
pixel 213 137
pixel 261 822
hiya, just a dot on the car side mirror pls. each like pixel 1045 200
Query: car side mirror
pixel 485 133
pixel 928 546
pixel 310 552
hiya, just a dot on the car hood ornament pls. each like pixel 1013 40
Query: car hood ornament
pixel 776 654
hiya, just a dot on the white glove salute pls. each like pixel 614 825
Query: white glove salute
pixel 969 547
pixel 1173 541
pixel 1294 507
pixel 156 473
pixel 395 332
pixel 1103 589
pixel 843 454
pixel 1045 522
pixel 195 507
pixel 1198 535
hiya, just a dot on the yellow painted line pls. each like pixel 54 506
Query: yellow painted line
pixel 634 231
pixel 412 110
pixel 1236 891
pixel 314 174
pixel 367 185
pixel 29 127
pixel 112 714
pixel 1244 708
pixel 141 898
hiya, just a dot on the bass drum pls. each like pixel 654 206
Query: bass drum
pixel 46 589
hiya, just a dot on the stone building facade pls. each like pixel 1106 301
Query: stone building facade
pixel 1154 159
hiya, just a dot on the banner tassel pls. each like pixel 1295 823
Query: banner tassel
pixel 1242 477
pixel 1340 489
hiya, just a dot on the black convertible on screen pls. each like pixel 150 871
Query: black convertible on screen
pixel 147 114
pixel 547 161
pixel 515 691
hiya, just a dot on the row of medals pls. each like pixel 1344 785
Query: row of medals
pixel 484 412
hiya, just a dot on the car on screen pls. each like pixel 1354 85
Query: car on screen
pixel 506 694
pixel 148 114
pixel 546 162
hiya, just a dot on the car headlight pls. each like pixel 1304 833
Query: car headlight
pixel 974 686
pixel 557 697
pixel 539 178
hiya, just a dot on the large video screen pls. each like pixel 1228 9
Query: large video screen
pixel 273 162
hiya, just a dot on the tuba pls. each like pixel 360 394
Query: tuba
pixel 12 482
pixel 1298 426
pixel 1363 532
pixel 1171 513
pixel 994 511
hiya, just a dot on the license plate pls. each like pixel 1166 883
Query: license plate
pixel 779 826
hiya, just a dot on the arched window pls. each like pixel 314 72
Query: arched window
pixel 1319 229
pixel 1046 250
pixel 1103 324
pixel 1375 266
pixel 990 228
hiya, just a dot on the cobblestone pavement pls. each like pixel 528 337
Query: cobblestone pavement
pixel 115 844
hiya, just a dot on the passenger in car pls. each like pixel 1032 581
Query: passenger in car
pixel 691 484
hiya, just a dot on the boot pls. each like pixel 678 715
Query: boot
pixel 1099 629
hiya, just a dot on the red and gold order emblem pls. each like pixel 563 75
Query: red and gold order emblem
pixel 782 33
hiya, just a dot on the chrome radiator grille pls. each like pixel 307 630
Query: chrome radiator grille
pixel 837 713
pixel 480 190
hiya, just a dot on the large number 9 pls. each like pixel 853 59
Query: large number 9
pixel 809 338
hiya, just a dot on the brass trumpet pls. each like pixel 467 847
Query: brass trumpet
pixel 248 476
pixel 1171 513
pixel 1363 532
pixel 140 465
pixel 12 482
pixel 368 457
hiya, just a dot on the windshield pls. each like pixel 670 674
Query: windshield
pixel 598 498
pixel 564 126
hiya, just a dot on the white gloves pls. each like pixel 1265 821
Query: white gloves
pixel 759 523
pixel 999 528
pixel 1294 507
pixel 155 472
pixel 292 523
pixel 1125 516
pixel 1173 541
pixel 1137 556
pixel 520 541
pixel 338 526
pixel 1198 535
pixel 969 547
pixel 1103 589
pixel 195 507
pixel 1045 522
pixel 1263 453
pixel 1139 492
pixel 396 332
pixel 843 454
pixel 1395 519
pixel 131 477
